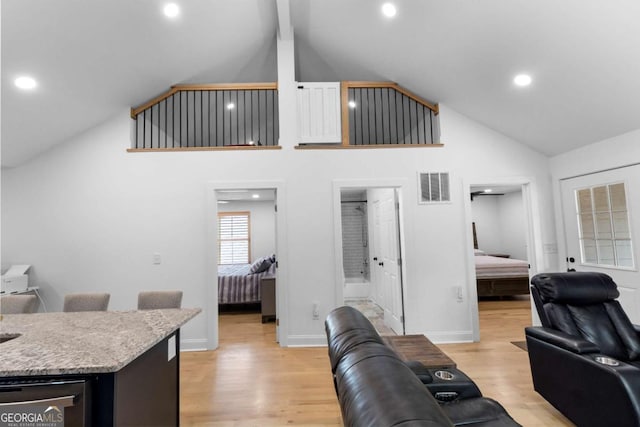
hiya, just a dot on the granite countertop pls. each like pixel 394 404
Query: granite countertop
pixel 83 342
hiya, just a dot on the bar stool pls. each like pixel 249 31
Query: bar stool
pixel 153 300
pixel 86 302
pixel 18 304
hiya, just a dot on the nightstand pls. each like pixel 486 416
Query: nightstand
pixel 268 296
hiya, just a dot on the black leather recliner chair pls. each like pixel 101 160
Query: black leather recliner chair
pixel 585 359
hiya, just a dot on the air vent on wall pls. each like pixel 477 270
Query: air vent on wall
pixel 434 187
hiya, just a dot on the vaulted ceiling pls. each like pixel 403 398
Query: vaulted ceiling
pixel 95 59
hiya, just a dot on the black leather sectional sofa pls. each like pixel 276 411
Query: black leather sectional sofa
pixel 376 388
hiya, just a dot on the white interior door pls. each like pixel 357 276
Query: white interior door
pixel 376 275
pixel 601 230
pixel 389 260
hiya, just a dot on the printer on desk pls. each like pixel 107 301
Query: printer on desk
pixel 15 279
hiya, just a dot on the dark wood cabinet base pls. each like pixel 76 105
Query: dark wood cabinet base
pixel 143 393
pixel 503 286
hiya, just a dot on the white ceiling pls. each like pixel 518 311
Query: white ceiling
pixel 94 59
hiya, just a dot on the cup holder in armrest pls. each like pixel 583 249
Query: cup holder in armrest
pixel 445 375
pixel 609 361
pixel 452 384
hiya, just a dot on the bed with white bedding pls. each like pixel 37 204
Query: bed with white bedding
pixel 240 283
pixel 497 276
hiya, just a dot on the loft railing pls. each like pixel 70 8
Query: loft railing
pixel 212 116
pixel 383 113
pixel 227 116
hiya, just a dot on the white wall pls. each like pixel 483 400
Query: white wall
pixel 263 225
pixel 611 153
pixel 513 225
pixel 88 216
pixel 500 224
pixel 486 215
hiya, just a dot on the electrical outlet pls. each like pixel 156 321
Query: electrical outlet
pixel 316 310
pixel 459 294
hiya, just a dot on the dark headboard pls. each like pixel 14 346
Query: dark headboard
pixel 475 236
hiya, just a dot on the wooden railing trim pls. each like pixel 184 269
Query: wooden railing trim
pixel 203 87
pixel 344 105
pixel 344 100
pixel 362 147
pixel 393 85
pixel 222 148
pixel 137 110
pixel 227 86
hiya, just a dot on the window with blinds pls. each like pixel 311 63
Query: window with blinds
pixel 603 219
pixel 234 238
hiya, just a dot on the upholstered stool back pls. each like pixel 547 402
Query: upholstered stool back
pixel 18 304
pixel 86 302
pixel 153 300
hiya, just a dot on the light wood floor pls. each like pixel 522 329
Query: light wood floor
pixel 251 381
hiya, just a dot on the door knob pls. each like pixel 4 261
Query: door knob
pixel 381 263
pixel 572 259
pixel 375 258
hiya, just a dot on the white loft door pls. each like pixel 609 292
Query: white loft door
pixel 319 119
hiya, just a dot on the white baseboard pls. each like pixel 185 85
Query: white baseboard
pixel 450 337
pixel 306 341
pixel 199 344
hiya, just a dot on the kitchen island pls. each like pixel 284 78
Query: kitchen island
pixel 126 361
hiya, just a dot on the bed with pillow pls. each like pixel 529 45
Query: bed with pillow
pixel 240 283
pixel 498 276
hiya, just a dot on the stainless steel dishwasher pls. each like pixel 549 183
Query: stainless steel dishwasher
pixel 68 397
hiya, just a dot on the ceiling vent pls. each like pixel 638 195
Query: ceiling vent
pixel 434 187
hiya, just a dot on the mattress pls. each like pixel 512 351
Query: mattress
pixel 237 286
pixel 492 267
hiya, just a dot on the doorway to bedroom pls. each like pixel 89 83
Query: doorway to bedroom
pixel 502 249
pixel 246 259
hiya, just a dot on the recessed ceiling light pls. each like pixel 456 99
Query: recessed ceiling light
pixel 522 80
pixel 231 106
pixel 352 104
pixel 255 196
pixel 171 10
pixel 389 10
pixel 25 82
pixel 488 190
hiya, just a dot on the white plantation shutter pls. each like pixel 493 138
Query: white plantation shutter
pixel 233 238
